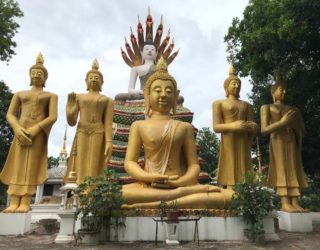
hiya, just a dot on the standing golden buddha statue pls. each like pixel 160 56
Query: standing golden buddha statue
pixel 93 139
pixel 31 115
pixel 171 166
pixel 285 125
pixel 233 118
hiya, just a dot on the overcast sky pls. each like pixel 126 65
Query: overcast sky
pixel 71 33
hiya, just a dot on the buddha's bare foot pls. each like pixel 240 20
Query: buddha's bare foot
pixel 206 188
pixel 213 188
pixel 23 209
pixel 127 206
pixel 14 204
pixel 288 208
pixel 10 209
pixel 295 204
pixel 298 208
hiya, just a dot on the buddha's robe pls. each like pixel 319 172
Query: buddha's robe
pixel 87 152
pixel 26 166
pixel 157 158
pixel 285 166
pixel 235 147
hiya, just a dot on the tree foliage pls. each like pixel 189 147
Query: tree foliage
pixel 9 11
pixel 282 36
pixel 53 161
pixel 209 149
pixel 6 133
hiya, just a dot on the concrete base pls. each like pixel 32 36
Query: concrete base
pixel 15 223
pixel 315 216
pixel 67 221
pixel 171 233
pixel 315 221
pixel 269 230
pixel 295 222
pixel 210 228
pixel 45 211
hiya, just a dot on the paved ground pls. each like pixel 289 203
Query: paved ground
pixel 292 241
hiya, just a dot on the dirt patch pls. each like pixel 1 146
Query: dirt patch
pixel 288 241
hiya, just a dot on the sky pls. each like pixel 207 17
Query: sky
pixel 71 33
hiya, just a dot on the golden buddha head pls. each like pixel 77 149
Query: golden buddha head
pixel 38 73
pixel 94 77
pixel 232 84
pixel 160 92
pixel 279 89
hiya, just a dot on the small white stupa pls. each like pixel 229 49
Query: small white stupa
pixel 58 172
pixel 48 195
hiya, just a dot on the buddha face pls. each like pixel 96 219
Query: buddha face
pixel 279 94
pixel 94 82
pixel 37 77
pixel 149 52
pixel 162 96
pixel 234 88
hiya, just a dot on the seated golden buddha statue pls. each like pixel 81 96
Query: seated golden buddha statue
pixel 171 168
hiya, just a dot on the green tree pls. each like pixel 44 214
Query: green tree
pixel 9 11
pixel 53 161
pixel 282 36
pixel 6 134
pixel 209 149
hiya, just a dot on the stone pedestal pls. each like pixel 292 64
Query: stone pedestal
pixel 44 211
pixel 67 221
pixel 210 228
pixel 269 230
pixel 171 233
pixel 315 216
pixel 315 221
pixel 15 223
pixel 295 222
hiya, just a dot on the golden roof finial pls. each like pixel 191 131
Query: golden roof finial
pixel 40 59
pixel 232 70
pixel 95 64
pixel 64 150
pixel 162 65
pixel 232 76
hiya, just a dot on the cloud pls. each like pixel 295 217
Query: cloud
pixel 72 33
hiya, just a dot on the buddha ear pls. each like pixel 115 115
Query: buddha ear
pixel 87 83
pixel 226 92
pixel 146 103
pixel 175 102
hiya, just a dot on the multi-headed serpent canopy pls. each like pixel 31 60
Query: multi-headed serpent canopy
pixel 132 56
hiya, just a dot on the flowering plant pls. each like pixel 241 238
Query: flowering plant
pixel 253 201
pixel 100 199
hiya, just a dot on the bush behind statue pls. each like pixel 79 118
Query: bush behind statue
pixel 100 199
pixel 253 201
pixel 310 196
